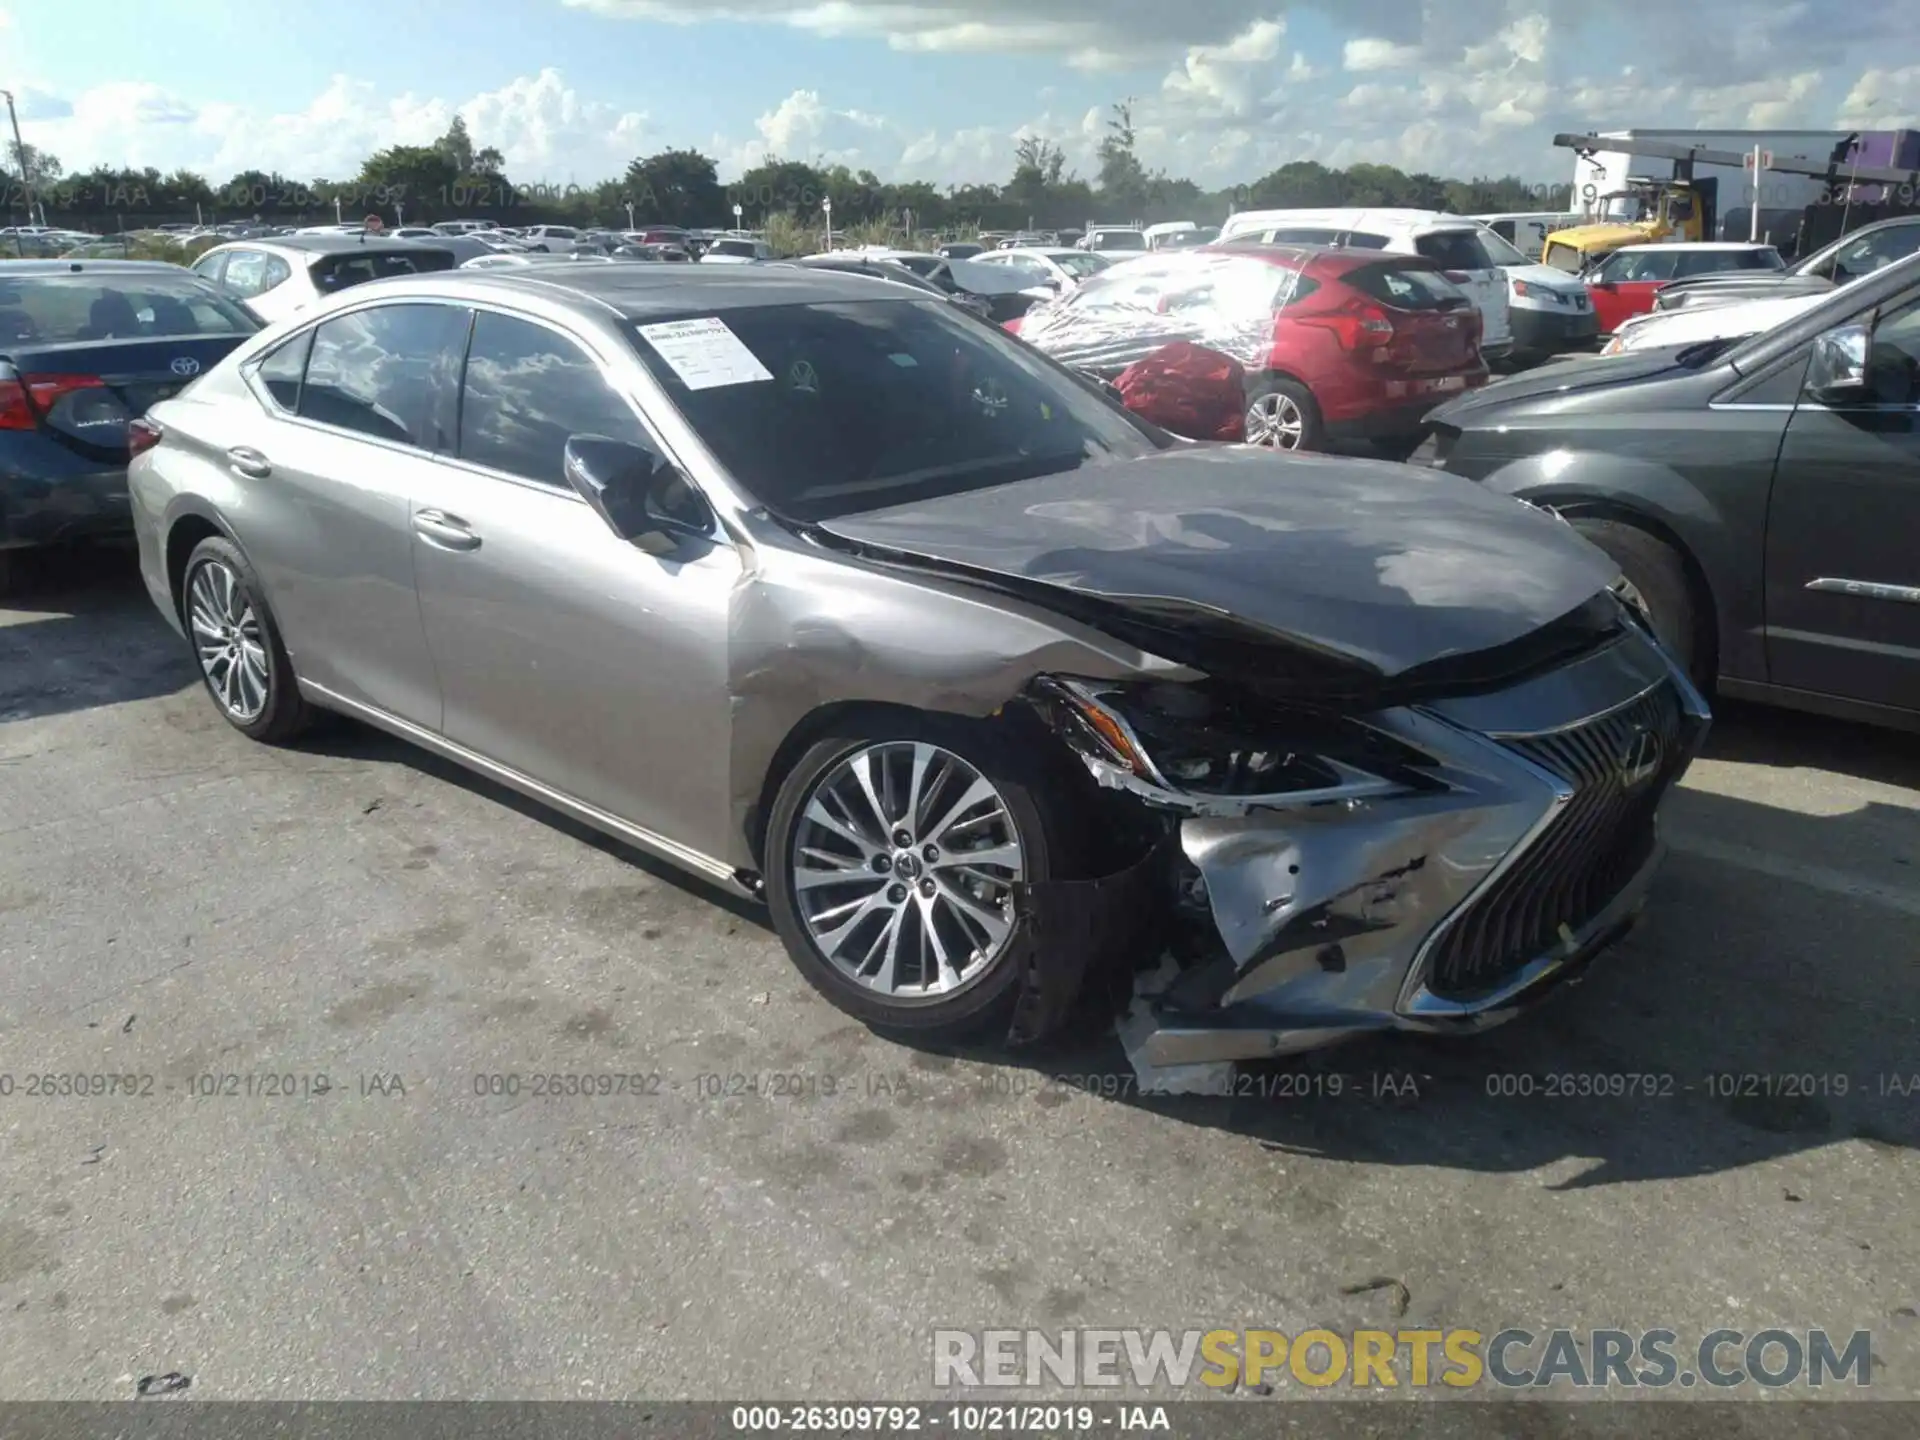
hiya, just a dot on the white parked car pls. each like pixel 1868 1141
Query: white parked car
pixel 1453 242
pixel 1116 242
pixel 1549 311
pixel 1732 321
pixel 280 276
pixel 1056 266
pixel 555 239
pixel 731 250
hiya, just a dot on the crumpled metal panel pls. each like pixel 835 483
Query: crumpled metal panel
pixel 812 628
pixel 1386 566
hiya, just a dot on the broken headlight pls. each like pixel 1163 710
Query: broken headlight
pixel 1189 739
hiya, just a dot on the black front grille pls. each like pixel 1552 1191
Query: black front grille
pixel 1619 766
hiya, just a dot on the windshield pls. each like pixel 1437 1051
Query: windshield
pixel 837 408
pixel 1080 263
pixel 732 247
pixel 1857 255
pixel 1501 251
pixel 1624 206
pixel 63 309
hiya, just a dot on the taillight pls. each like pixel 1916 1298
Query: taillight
pixel 142 436
pixel 1359 325
pixel 25 400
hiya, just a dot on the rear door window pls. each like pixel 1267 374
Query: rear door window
pixel 387 372
pixel 1453 250
pixel 1407 287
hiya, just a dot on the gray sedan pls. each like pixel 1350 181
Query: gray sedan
pixel 845 602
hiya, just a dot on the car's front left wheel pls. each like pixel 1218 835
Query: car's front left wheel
pixel 894 859
pixel 242 659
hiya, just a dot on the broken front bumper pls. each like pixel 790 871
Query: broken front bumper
pixel 1445 910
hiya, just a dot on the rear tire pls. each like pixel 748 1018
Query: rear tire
pixel 1281 414
pixel 236 643
pixel 1657 573
pixel 942 948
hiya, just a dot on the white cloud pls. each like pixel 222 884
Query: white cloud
pixel 1882 100
pixel 1370 53
pixel 545 129
pixel 1226 78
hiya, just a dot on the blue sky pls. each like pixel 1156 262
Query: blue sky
pixel 1224 89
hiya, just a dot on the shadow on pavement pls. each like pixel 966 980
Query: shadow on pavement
pixel 79 632
pixel 1787 739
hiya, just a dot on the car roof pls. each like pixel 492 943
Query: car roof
pixel 1352 218
pixel 18 268
pixel 325 244
pixel 640 292
pixel 1700 245
pixel 1332 260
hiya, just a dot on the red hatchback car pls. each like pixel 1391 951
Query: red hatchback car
pixel 1623 285
pixel 1286 346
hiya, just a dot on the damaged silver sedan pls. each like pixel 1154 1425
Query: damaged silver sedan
pixel 990 690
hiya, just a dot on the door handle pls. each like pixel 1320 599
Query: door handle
pixel 247 461
pixel 449 532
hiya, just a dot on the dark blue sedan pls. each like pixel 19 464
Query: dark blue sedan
pixel 85 347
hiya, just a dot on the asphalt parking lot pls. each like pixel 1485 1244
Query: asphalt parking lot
pixel 178 903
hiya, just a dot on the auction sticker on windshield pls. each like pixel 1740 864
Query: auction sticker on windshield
pixel 705 354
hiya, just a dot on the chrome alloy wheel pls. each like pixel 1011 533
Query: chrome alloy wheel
pixel 904 862
pixel 227 638
pixel 1275 420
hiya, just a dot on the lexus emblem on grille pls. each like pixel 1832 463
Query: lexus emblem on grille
pixel 185 365
pixel 1639 758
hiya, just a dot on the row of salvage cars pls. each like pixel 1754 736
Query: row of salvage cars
pixel 839 597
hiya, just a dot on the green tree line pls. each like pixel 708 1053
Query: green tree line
pixel 454 179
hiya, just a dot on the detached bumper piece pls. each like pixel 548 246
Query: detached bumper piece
pixel 1524 852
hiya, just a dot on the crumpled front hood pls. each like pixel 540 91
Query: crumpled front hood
pixel 1386 566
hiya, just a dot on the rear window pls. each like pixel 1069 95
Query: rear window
pixel 742 248
pixel 1118 240
pixel 1404 287
pixel 63 309
pixel 356 267
pixel 1454 250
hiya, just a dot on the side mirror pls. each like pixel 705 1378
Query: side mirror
pixel 646 500
pixel 1838 370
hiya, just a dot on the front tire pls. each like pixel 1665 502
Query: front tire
pixel 243 662
pixel 894 849
pixel 1659 578
pixel 1282 414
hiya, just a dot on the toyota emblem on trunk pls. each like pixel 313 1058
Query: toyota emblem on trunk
pixel 1639 758
pixel 185 365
